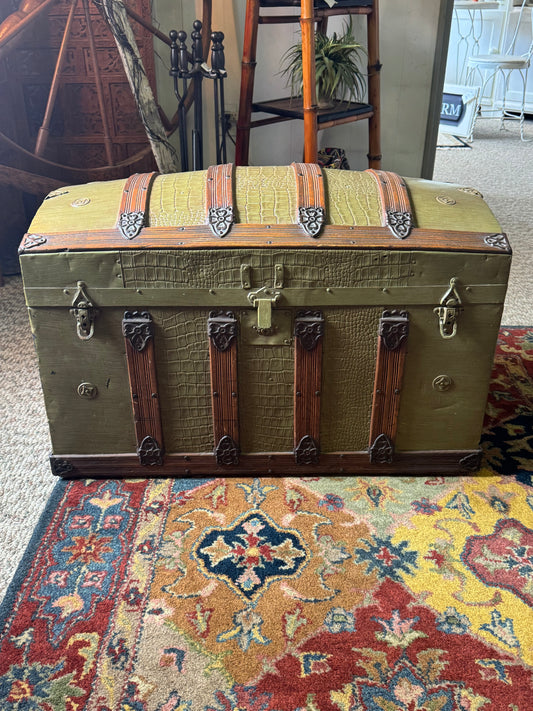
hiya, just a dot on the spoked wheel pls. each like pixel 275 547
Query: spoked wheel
pixel 71 115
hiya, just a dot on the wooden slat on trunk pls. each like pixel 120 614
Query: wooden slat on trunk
pixel 222 330
pixel 137 329
pixel 392 348
pixel 308 332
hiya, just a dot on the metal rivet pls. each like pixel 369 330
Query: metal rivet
pixel 471 191
pixel 215 394
pixel 445 200
pixel 298 394
pixel 442 383
pixel 87 390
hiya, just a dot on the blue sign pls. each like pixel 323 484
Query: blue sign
pixel 452 108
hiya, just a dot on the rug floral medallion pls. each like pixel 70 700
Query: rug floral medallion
pixel 287 594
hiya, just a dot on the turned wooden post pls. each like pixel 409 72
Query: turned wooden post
pixel 307 24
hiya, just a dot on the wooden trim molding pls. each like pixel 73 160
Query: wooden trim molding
pixel 308 336
pixel 397 214
pixel 183 465
pixel 134 204
pixel 137 328
pixel 270 237
pixel 310 197
pixel 392 348
pixel 222 331
pixel 219 199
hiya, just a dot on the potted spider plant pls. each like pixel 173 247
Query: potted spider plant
pixel 337 68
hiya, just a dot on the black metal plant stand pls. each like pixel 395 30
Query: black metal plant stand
pixel 191 68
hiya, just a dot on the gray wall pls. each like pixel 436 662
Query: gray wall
pixel 413 41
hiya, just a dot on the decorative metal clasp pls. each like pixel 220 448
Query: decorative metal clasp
pixel 400 223
pixel 448 310
pixel 31 241
pixel 150 453
pixel 222 329
pixel 394 329
pixel 307 451
pixel 382 450
pixel 138 328
pixel 227 452
pixel 499 241
pixel 131 223
pixel 309 328
pixel 311 219
pixel 84 312
pixel 220 220
pixel 263 299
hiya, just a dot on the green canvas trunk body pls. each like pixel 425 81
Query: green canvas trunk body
pixel 83 279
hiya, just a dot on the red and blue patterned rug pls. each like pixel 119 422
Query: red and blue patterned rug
pixel 291 594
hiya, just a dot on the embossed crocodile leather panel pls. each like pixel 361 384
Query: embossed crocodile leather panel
pixel 178 199
pixel 182 357
pixel 205 269
pixel 349 362
pixel 266 372
pixel 265 195
pixel 351 198
pixel 266 375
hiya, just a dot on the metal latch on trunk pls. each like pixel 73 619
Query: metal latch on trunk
pixel 263 299
pixel 449 309
pixel 84 312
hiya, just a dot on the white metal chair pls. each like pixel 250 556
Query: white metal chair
pixel 493 66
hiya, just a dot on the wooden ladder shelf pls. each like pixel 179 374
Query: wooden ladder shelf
pixel 314 14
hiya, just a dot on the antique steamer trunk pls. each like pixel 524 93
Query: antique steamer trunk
pixel 265 321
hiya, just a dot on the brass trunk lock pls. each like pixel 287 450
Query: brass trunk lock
pixel 263 299
pixel 448 311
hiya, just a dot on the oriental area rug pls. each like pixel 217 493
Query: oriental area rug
pixel 310 594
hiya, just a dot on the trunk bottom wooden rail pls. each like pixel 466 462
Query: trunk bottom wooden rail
pixel 76 466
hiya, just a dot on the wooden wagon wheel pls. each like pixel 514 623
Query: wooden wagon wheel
pixel 117 15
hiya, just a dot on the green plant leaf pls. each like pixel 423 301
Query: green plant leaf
pixel 337 66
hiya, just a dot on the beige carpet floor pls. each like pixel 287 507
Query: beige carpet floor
pixel 497 163
pixel 500 165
